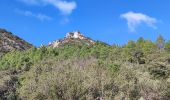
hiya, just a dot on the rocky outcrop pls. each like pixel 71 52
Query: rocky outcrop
pixel 8 42
pixel 72 38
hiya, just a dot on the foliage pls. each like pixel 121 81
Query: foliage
pixel 167 46
pixel 137 70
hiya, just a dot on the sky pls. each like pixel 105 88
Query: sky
pixel 111 21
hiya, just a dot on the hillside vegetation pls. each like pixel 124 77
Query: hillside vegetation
pixel 139 70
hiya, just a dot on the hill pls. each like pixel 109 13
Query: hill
pixel 139 70
pixel 9 42
pixel 72 38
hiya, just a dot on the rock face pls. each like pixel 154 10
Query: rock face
pixel 72 38
pixel 9 42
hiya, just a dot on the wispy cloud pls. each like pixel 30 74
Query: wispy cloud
pixel 135 19
pixel 65 7
pixel 39 16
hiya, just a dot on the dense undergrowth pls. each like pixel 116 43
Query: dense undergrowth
pixel 137 70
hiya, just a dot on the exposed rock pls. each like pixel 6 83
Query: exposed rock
pixel 8 42
pixel 72 37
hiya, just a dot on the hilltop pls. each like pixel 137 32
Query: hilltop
pixel 72 38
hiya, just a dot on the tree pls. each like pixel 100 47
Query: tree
pixel 145 46
pixel 140 40
pixel 160 42
pixel 129 48
pixel 131 45
pixel 167 46
pixel 148 47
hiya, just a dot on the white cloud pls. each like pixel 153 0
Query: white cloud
pixel 41 17
pixel 65 7
pixel 135 19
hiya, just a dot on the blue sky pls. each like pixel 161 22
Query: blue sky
pixel 111 21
